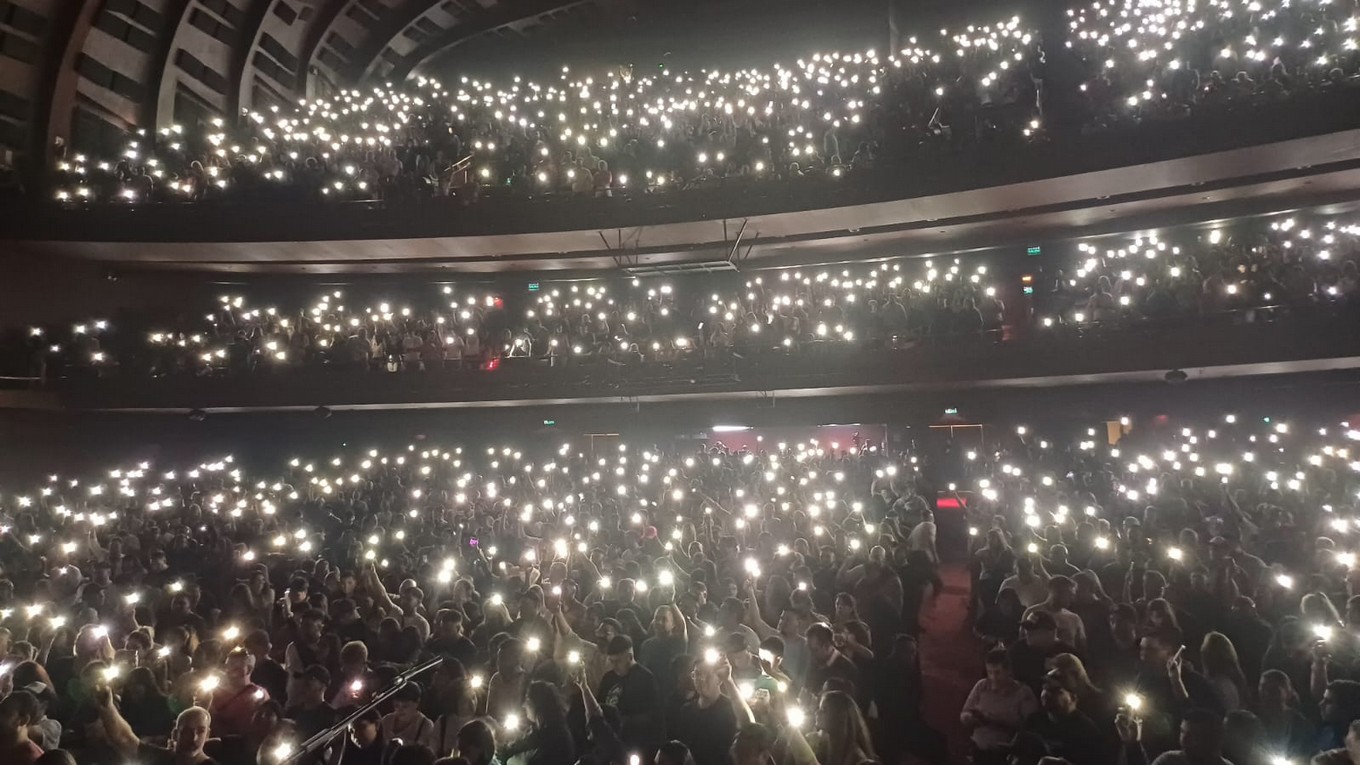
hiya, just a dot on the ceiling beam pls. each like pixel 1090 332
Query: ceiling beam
pixel 497 19
pixel 160 107
pixel 68 29
pixel 248 41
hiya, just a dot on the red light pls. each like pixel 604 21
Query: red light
pixel 948 503
pixel 497 302
pixel 492 365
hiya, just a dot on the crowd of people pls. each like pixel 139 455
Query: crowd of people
pixel 1142 591
pixel 828 114
pixel 1295 262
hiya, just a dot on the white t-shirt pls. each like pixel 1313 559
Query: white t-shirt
pixel 1071 629
pixel 1036 591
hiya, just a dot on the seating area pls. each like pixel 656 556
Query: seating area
pixel 819 116
pixel 1256 268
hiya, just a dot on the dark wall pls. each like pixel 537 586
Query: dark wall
pixel 33 443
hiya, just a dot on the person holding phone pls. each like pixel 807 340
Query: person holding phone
pixel 1170 687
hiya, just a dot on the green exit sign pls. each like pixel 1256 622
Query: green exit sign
pixel 534 287
pixel 1035 250
pixel 549 423
pixel 952 410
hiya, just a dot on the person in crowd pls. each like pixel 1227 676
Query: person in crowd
pixel 826 662
pixel 548 740
pixel 234 698
pixel 631 690
pixel 1349 754
pixel 536 624
pixel 1038 644
pixel 1224 672
pixel 1030 585
pixel 1063 728
pixel 17 711
pixel 708 723
pixel 1286 728
pixel 476 743
pixel 187 739
pixel 363 742
pixel 996 709
pixel 1061 592
pixel 145 706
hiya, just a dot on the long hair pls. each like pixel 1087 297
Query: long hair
pixel 1316 606
pixel 1219 657
pixel 1163 606
pixel 477 734
pixel 146 679
pixel 1070 667
pixel 847 736
pixel 546 705
pixel 1087 581
pixel 678 628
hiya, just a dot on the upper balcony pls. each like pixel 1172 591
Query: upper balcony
pixel 949 139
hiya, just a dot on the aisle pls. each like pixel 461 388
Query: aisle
pixel 951 658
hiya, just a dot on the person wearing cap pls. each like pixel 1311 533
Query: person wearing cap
pixel 1064 729
pixel 745 668
pixel 234 700
pixel 268 673
pixel 632 690
pixel 1037 644
pixel 310 712
pixel 311 647
pixel 406 721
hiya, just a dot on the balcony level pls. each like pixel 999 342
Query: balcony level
pixel 1234 160
pixel 1255 344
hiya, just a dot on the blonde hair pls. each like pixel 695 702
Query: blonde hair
pixel 1070 667
pixel 1219 657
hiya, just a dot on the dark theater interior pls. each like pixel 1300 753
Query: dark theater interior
pixel 679 382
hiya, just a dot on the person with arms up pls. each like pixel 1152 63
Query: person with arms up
pixel 708 723
pixel 186 739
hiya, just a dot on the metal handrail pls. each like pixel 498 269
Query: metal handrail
pixel 461 164
pixel 320 740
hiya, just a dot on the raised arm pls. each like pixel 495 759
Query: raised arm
pixel 116 729
pixel 379 591
pixel 739 706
